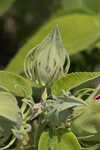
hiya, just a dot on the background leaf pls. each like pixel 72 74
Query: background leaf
pixel 92 5
pixel 15 84
pixel 4 5
pixel 73 80
pixel 89 6
pixel 69 6
pixel 76 34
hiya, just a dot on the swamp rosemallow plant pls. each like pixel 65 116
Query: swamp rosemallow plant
pixel 43 110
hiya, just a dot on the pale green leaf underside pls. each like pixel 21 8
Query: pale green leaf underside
pixel 67 141
pixel 78 31
pixel 15 84
pixel 73 80
pixel 8 107
pixel 4 5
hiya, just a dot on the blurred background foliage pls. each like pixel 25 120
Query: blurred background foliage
pixel 24 23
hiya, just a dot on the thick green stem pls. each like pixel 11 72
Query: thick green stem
pixel 37 130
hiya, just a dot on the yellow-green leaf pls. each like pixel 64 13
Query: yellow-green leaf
pixel 46 141
pixel 68 142
pixel 62 140
pixel 78 31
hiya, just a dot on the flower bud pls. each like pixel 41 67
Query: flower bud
pixel 48 61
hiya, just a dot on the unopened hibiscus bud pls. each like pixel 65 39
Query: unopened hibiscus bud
pixel 48 61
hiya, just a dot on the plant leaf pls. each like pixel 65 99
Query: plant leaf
pixel 68 141
pixel 4 5
pixel 59 110
pixel 63 140
pixel 45 141
pixel 73 80
pixel 87 126
pixel 10 115
pixel 78 31
pixel 8 107
pixel 15 84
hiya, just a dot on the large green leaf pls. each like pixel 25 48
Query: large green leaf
pixel 63 140
pixel 15 84
pixel 73 80
pixel 78 31
pixel 4 5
